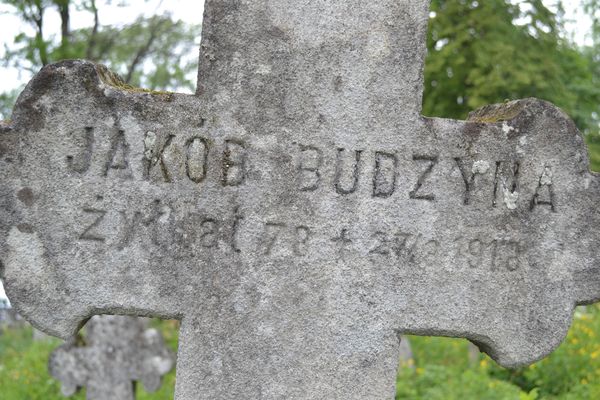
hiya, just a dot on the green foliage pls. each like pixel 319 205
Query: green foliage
pixel 441 369
pixel 7 100
pixel 573 369
pixel 593 142
pixel 484 52
pixel 151 52
pixel 23 367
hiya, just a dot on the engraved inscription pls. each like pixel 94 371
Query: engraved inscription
pixel 430 162
pixel 90 232
pixel 196 163
pixel 84 140
pixel 208 233
pixel 280 235
pixel 197 230
pixel 384 179
pixel 493 255
pixel 155 225
pixel 140 221
pixel 171 158
pixel 506 184
pixel 413 248
pixel 311 159
pixel 161 159
pixel 237 219
pixel 382 244
pixel 544 193
pixel 272 232
pixel 234 163
pixel 118 157
pixel 343 242
pixel 469 173
pixel 302 237
pixel 346 180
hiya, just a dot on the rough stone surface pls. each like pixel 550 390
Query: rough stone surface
pixel 118 351
pixel 298 214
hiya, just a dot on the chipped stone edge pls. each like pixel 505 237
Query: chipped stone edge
pixel 5 126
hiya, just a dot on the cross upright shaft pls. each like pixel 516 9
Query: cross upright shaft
pixel 298 213
pixel 276 63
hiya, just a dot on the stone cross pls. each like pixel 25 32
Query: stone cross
pixel 118 351
pixel 298 213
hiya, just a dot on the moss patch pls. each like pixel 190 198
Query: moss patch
pixel 110 78
pixel 497 112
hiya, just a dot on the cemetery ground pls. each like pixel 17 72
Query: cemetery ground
pixel 440 369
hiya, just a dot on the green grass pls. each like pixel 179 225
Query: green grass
pixel 24 367
pixel 593 142
pixel 441 369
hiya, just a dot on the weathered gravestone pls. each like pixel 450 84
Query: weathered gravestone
pixel 118 351
pixel 298 214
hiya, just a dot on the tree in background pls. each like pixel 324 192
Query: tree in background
pixel 480 52
pixel 489 51
pixel 152 52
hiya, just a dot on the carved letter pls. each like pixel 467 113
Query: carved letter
pixel 303 235
pixel 355 173
pixel 197 159
pixel 384 179
pixel 118 156
pixel 88 234
pixel 431 162
pixel 477 168
pixel 137 222
pixel 82 163
pixel 234 230
pixel 544 185
pixel 272 232
pixel 155 155
pixel 208 237
pixel 234 163
pixel 382 244
pixel 309 174
pixel 508 175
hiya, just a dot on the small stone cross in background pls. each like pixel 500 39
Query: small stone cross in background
pixel 118 352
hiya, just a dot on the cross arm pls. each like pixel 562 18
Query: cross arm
pixel 77 154
pixel 524 236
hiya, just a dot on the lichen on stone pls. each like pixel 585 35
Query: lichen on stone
pixel 113 79
pixel 497 112
pixel 5 126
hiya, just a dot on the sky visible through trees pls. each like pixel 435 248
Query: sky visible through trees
pixel 189 11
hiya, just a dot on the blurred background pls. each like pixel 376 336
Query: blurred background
pixel 480 52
